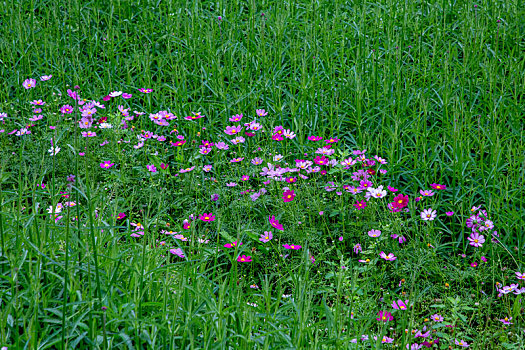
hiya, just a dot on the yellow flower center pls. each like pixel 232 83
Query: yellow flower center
pixel 367 260
pixel 206 218
pixel 289 196
pixel 476 241
pixel 384 317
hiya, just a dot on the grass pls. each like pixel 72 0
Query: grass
pixel 435 88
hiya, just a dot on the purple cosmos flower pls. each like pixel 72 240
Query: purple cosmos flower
pixel 236 118
pixel 88 134
pixel 266 236
pixel 29 83
pixel 146 91
pixel 151 168
pixel 45 77
pixel 461 343
pixel 207 168
pixel 449 213
pixel 360 205
pixel 476 240
pixel 437 318
pixel 438 186
pixel 357 248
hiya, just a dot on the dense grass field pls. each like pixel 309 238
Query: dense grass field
pixel 262 174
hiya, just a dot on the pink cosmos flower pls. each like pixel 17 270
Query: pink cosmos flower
pixel 315 138
pixel 321 160
pixel 232 130
pixel 244 258
pixel 275 223
pixel 288 196
pixel 392 189
pixel 29 83
pixel 291 246
pixel 121 216
pixel 207 217
pixel 45 77
pixel 146 91
pixel 231 245
pixel 506 320
pixel 428 214
pixel 357 248
pixel 88 134
pixel 107 164
pixel 236 118
pixel 374 233
pixel 389 257
pixel 520 276
pixel 178 252
pixel 426 193
pixel 332 140
pixel 261 112
pixel 474 264
pixel 449 213
pixel 384 316
pixel 438 186
pixel 245 178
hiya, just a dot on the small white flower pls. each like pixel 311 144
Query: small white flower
pixel 115 93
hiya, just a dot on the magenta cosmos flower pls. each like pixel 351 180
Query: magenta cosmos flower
pixel 384 316
pixel 121 216
pixel 360 205
pixel 288 196
pixel 291 246
pixel 315 138
pixel 145 91
pixel 231 245
pixel 400 305
pixel 107 164
pixel 207 217
pixel 476 240
pixel 244 258
pixel 438 186
pixel 29 83
pixel 275 223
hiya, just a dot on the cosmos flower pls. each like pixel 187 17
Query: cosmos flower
pixel 389 257
pixel 261 112
pixel 384 316
pixel 107 164
pixel 400 304
pixel 291 246
pixel 436 318
pixel 520 276
pixel 428 214
pixel 288 196
pixel 426 193
pixel 151 168
pixel 29 83
pixel 476 240
pixel 244 258
pixel 360 205
pixel 438 186
pixel 275 223
pixel 207 217
pixel 232 130
pixel 231 245
pixel 266 236
pixel 461 343
pixel 506 320
pixel 146 91
pixel 178 252
pixel 374 233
